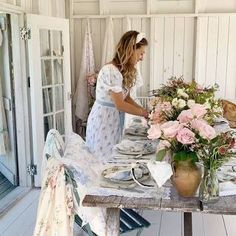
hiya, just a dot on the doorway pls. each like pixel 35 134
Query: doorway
pixel 9 178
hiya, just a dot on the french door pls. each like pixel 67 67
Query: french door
pixel 49 80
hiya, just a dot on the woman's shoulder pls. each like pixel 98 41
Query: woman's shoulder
pixel 110 68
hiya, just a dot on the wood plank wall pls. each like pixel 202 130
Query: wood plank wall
pixel 191 45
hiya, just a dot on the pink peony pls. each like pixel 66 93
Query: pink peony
pixel 170 129
pixel 154 132
pixel 185 136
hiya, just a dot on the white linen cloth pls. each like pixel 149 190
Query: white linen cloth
pixel 108 43
pixel 161 171
pixel 227 188
pixel 87 68
pixel 4 138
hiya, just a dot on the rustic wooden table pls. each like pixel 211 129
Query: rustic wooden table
pixel 226 205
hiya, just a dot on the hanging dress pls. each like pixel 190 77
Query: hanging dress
pixel 104 126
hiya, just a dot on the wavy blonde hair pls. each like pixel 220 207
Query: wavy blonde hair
pixel 123 53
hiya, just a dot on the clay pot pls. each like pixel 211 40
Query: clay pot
pixel 186 177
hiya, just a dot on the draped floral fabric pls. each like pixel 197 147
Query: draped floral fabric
pixel 55 211
pixel 87 68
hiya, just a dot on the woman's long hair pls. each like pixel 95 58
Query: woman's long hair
pixel 124 51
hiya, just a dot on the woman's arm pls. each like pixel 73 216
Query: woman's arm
pixel 131 101
pixel 123 105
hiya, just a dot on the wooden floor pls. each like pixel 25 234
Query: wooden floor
pixel 20 221
pixel 5 186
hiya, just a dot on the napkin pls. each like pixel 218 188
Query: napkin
pixel 227 188
pixel 161 171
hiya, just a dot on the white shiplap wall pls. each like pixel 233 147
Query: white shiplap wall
pixel 194 44
pixel 170 51
pixel 216 53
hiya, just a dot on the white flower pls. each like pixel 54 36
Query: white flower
pixel 175 102
pixel 181 103
pixel 191 103
pixel 178 103
pixel 181 93
pixel 207 105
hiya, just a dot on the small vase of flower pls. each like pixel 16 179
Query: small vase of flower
pixel 214 154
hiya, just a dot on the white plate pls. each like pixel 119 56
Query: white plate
pixel 122 179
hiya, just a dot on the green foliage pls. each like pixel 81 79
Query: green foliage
pixel 185 155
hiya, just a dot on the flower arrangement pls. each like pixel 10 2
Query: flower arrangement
pixel 178 95
pixel 181 118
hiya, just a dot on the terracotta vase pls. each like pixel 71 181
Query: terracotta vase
pixel 186 177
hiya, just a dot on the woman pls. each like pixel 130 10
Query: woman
pixel 115 79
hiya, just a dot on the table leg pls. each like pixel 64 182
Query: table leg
pixel 188 224
pixel 113 222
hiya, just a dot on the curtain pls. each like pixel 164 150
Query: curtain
pixel 87 68
pixel 108 44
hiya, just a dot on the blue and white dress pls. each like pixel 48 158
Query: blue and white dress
pixel 104 126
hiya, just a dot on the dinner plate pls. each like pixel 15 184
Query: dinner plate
pixel 147 148
pixel 136 131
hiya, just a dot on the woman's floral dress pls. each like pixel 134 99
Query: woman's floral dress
pixel 104 126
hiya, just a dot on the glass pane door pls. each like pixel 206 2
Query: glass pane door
pixel 51 57
pixel 50 84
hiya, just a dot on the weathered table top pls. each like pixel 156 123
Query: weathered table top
pixel 226 205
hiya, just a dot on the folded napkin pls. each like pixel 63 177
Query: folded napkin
pixel 227 188
pixel 161 171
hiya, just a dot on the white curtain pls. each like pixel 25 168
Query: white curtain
pixel 4 139
pixel 108 44
pixel 87 68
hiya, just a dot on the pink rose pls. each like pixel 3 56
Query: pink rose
pixel 198 110
pixel 185 116
pixel 156 117
pixel 154 132
pixel 185 136
pixel 205 130
pixel 170 129
pixel 163 144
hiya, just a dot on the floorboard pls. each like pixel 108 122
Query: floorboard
pixel 162 223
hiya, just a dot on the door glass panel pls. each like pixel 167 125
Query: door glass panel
pixel 58 71
pixel 47 100
pixel 45 42
pixel 60 124
pixel 46 70
pixel 57 43
pixel 59 98
pixel 48 124
pixel 51 51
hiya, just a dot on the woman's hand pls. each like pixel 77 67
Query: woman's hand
pixel 144 113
